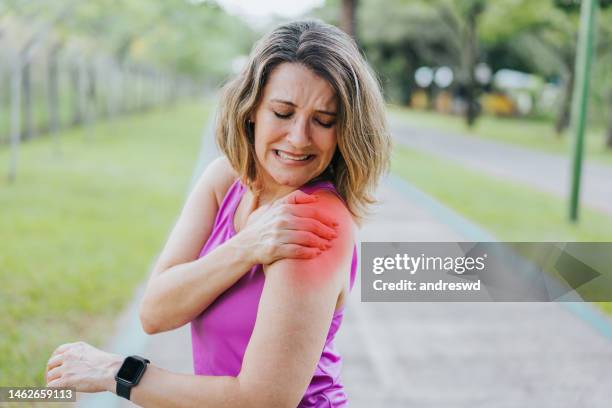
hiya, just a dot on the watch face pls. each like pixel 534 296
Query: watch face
pixel 131 369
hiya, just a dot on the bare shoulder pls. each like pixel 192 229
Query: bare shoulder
pixel 331 204
pixel 334 207
pixel 221 175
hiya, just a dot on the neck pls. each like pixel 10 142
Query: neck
pixel 273 193
pixel 270 191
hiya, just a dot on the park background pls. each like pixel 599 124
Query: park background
pixel 106 111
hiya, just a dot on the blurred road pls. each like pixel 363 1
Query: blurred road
pixel 465 354
pixel 542 171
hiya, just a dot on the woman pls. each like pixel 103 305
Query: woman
pixel 263 255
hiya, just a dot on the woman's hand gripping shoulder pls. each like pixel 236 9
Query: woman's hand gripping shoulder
pixel 329 267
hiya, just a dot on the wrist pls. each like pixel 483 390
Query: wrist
pixel 240 244
pixel 111 369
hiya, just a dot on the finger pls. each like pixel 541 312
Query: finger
pixel 304 238
pixel 311 212
pixel 294 251
pixel 298 197
pixel 61 349
pixel 55 361
pixel 312 225
pixel 58 383
pixel 54 374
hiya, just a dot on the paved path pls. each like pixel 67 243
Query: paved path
pixel 543 171
pixel 465 354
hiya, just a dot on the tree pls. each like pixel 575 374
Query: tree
pixel 129 45
pixel 547 45
pixel 543 37
pixel 347 21
pixel 404 35
pixel 602 74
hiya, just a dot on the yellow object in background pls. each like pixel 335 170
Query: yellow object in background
pixel 419 100
pixel 497 104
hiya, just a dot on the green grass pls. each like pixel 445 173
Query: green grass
pixel 532 134
pixel 79 231
pixel 509 211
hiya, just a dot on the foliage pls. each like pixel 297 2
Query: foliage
pixel 537 37
pixel 193 38
pixel 78 234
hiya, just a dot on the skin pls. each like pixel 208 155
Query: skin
pixel 291 232
pixel 297 115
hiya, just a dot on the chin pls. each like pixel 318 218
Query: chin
pixel 296 182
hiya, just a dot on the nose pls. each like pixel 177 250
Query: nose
pixel 299 134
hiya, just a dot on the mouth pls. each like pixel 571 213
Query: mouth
pixel 287 157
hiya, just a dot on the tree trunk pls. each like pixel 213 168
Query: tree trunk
pixel 471 92
pixel 471 113
pixel 347 17
pixel 471 46
pixel 108 78
pixel 564 115
pixel 26 80
pixel 77 113
pixel 53 92
pixel 16 88
pixel 91 94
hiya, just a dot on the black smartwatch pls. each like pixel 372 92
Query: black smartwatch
pixel 129 374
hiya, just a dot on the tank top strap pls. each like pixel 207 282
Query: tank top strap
pixel 320 185
pixel 230 202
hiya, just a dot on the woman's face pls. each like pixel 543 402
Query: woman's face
pixel 295 126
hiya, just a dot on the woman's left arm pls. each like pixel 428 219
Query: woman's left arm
pixel 293 318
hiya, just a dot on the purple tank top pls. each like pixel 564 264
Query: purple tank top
pixel 220 334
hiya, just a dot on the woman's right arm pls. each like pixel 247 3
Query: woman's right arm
pixel 181 286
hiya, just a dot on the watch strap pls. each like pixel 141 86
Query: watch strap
pixel 123 390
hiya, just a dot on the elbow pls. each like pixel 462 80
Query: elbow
pixel 147 320
pixel 149 327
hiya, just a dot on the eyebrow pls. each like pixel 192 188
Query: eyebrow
pixel 295 106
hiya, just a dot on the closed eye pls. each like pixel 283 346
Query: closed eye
pixel 283 115
pixel 326 125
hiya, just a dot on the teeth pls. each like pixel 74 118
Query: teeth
pixel 296 158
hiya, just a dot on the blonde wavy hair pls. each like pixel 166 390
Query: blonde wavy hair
pixel 364 145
